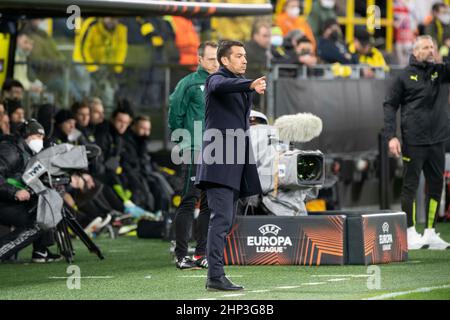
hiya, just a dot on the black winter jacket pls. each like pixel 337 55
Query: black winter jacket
pixel 421 90
pixel 14 155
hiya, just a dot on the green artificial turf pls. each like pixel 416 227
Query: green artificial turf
pixel 143 269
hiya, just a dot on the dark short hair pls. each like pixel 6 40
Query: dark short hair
pixel 11 83
pixel 78 105
pixel 225 49
pixel 141 118
pixel 437 6
pixel 123 106
pixel 203 45
pixel 302 39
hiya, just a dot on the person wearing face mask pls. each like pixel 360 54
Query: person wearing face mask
pixel 290 19
pixel 331 49
pixel 17 205
pixel 421 92
pixel 322 10
pixel 439 28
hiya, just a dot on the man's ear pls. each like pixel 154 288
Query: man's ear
pixel 224 61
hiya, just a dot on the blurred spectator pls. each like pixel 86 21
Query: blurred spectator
pixel 238 28
pixel 64 127
pixel 322 10
pixel 138 161
pixel 290 19
pixel 12 90
pixel 330 48
pixel 82 116
pixel 304 52
pixel 46 60
pixel 444 50
pixel 259 50
pixel 16 114
pixel 21 71
pixel 88 198
pixel 4 121
pixel 405 27
pixel 367 53
pixel 102 41
pixel 439 27
pixel 97 115
pixel 111 141
pixel 187 40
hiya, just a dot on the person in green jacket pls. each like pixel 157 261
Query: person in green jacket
pixel 321 11
pixel 187 112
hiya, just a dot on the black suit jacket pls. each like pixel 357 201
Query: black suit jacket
pixel 228 102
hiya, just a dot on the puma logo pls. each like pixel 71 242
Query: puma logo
pixel 415 77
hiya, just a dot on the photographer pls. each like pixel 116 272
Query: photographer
pixel 17 205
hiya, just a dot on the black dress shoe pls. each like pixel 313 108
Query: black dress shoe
pixel 222 284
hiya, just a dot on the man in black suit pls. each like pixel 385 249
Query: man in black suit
pixel 228 173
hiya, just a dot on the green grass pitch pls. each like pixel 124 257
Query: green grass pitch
pixel 143 269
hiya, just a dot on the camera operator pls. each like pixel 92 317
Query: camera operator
pixel 17 205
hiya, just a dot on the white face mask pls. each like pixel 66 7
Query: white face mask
pixel 36 145
pixel 293 12
pixel 444 18
pixel 276 40
pixel 329 4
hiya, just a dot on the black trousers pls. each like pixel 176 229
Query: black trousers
pixel 184 217
pixel 430 159
pixel 18 215
pixel 222 202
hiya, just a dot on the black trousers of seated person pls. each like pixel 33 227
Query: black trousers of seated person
pixel 18 215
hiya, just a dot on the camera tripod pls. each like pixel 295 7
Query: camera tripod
pixel 62 235
pixel 64 241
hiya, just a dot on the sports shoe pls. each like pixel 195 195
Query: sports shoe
pixel 435 242
pixel 186 263
pixel 201 262
pixel 105 221
pixel 93 226
pixel 45 256
pixel 127 229
pixel 415 240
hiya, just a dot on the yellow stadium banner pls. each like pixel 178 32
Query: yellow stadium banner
pixel 4 51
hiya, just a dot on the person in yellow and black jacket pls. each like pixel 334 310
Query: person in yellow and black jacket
pixel 421 92
pixel 101 41
pixel 186 109
pixel 367 53
pixel 439 27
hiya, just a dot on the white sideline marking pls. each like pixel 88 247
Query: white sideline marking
pixel 148 277
pixel 337 280
pixel 86 277
pixel 203 276
pixel 343 275
pixel 233 295
pixel 313 283
pixel 207 299
pixel 402 293
pixel 288 287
